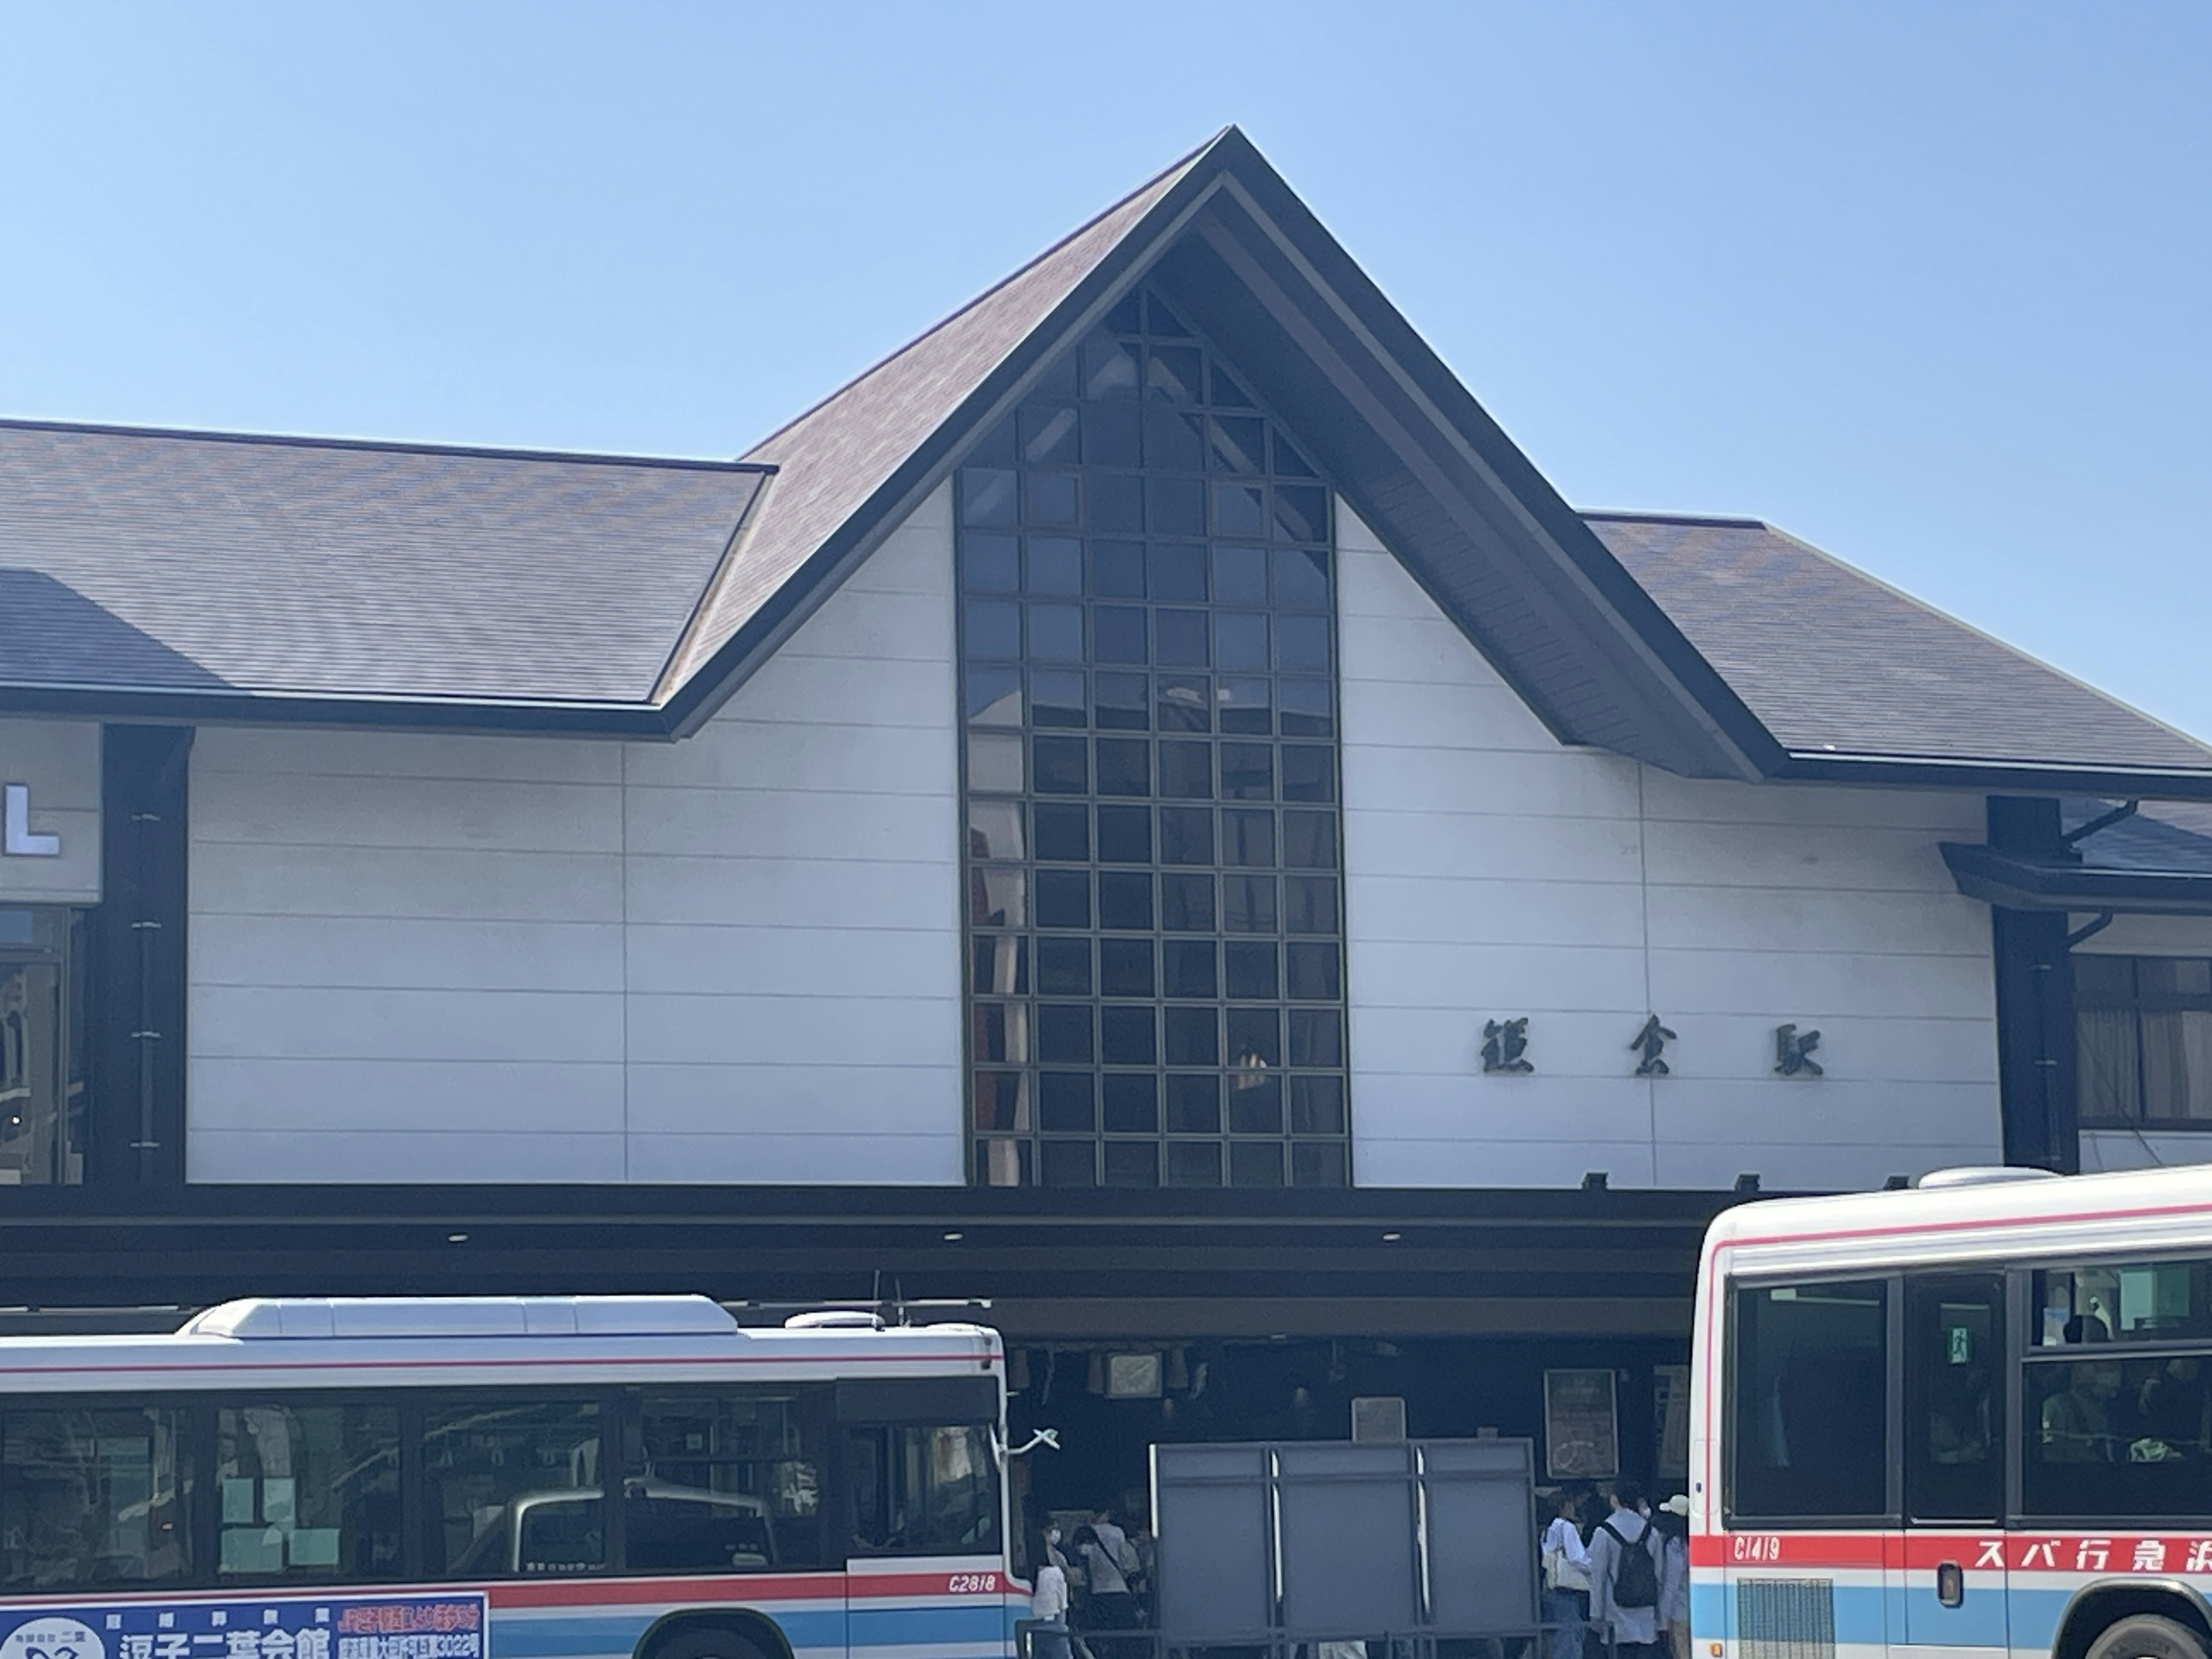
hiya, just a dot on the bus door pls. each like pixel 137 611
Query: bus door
pixel 1953 1564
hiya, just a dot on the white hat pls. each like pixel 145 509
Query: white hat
pixel 1677 1504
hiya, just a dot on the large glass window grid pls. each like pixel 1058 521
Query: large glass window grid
pixel 1154 874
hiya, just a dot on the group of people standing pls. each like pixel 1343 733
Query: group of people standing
pixel 1099 1572
pixel 1617 1576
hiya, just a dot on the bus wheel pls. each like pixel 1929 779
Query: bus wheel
pixel 2146 1636
pixel 721 1643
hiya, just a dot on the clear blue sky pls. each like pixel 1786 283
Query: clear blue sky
pixel 1926 284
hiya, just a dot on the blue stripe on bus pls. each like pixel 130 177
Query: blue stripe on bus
pixel 871 1627
pixel 1877 1615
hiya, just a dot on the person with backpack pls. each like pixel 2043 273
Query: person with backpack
pixel 1624 1575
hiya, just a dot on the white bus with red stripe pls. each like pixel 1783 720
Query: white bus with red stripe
pixel 1972 1420
pixel 505 1477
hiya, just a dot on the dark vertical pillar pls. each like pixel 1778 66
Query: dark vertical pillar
pixel 138 983
pixel 2036 1076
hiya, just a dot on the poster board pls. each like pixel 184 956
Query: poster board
pixel 1670 1422
pixel 1582 1425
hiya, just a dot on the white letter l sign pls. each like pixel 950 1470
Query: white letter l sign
pixel 15 835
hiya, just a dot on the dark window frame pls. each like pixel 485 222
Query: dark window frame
pixel 2135 1003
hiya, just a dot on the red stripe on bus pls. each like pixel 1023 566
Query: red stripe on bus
pixel 825 1586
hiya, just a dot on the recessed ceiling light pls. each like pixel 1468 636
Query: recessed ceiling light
pixel 954 1238
pixel 1391 1238
pixel 457 1238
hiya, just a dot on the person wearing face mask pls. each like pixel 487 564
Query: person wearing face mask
pixel 1048 1601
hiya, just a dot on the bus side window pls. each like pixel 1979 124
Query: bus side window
pixel 94 1495
pixel 513 1488
pixel 1809 1411
pixel 728 1480
pixel 307 1491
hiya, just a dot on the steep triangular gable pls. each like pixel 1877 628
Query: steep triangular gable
pixel 1417 457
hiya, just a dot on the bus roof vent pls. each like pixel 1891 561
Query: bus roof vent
pixel 835 1319
pixel 264 1318
pixel 1984 1176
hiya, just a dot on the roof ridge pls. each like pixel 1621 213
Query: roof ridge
pixel 384 446
pixel 1012 277
pixel 1630 515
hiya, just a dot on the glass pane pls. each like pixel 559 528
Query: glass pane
pixel 1181 637
pixel 1119 633
pixel 1050 435
pixel 1125 900
pixel 1185 770
pixel 1132 1163
pixel 1056 564
pixel 1302 577
pixel 1178 571
pixel 990 562
pixel 95 1496
pixel 1248 837
pixel 2116 1438
pixel 998 897
pixel 733 1482
pixel 928 1490
pixel 2107 1063
pixel 1185 702
pixel 1117 500
pixel 1239 510
pixel 1125 766
pixel 1056 698
pixel 987 496
pixel 514 1489
pixel 1002 1101
pixel 1127 1037
pixel 1320 1165
pixel 1067 1100
pixel 1250 966
pixel 1195 1105
pixel 1194 1162
pixel 1240 640
pixel 1174 374
pixel 1117 569
pixel 1052 498
pixel 1312 972
pixel 1064 1034
pixel 2177 1068
pixel 1060 767
pixel 1255 1040
pixel 2124 1302
pixel 1255 1104
pixel 1240 575
pixel 1064 967
pixel 1256 1165
pixel 1175 507
pixel 1173 439
pixel 994 829
pixel 1124 834
pixel 1317 1106
pixel 1809 1394
pixel 1068 1164
pixel 1063 898
pixel 1121 702
pixel 1125 967
pixel 1132 1104
pixel 1187 968
pixel 1000 964
pixel 1063 832
pixel 1109 439
pixel 994 629
pixel 1237 443
pixel 1316 1037
pixel 1056 633
pixel 992 696
pixel 1110 369
pixel 2106 980
pixel 1187 904
pixel 1193 1036
pixel 1247 772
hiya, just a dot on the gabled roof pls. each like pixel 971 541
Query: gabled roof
pixel 197 577
pixel 138 566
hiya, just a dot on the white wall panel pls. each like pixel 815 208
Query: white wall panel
pixel 732 958
pixel 1493 873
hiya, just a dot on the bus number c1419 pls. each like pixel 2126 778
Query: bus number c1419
pixel 1755 1547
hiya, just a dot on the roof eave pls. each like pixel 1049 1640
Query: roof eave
pixel 2015 884
pixel 200 706
pixel 2003 776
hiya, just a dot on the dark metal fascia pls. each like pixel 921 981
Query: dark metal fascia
pixel 1982 873
pixel 199 706
pixel 2009 777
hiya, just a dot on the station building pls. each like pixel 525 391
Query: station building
pixel 1145 808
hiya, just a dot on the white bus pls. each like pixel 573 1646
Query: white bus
pixel 1954 1421
pixel 505 1477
